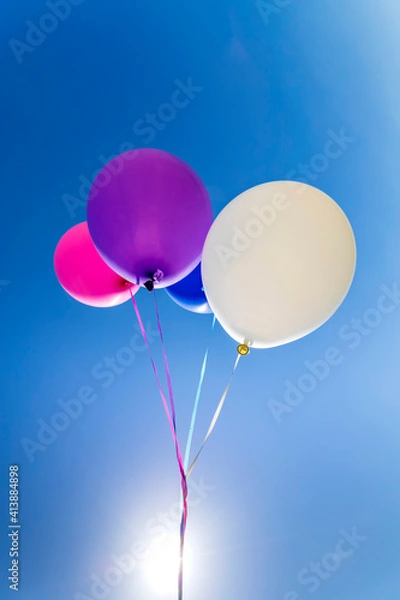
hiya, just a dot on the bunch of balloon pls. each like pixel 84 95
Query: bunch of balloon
pixel 275 265
pixel 148 215
pixel 292 251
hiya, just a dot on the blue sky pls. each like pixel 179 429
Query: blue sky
pixel 271 494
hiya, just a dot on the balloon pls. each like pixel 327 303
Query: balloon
pixel 189 294
pixel 149 212
pixel 277 263
pixel 83 273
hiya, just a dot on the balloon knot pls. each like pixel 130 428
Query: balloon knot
pixel 243 349
pixel 149 285
pixel 155 278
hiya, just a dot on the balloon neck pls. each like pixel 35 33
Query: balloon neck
pixel 155 278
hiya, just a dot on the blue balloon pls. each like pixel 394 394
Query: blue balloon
pixel 189 293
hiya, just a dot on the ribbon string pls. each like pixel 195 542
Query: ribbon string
pixel 215 417
pixel 179 455
pixel 169 380
pixel 196 402
pixel 171 415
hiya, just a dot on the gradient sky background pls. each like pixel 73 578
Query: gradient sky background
pixel 271 90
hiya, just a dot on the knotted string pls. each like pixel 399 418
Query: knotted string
pixel 171 415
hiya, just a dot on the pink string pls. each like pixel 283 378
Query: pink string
pixel 169 381
pixel 171 415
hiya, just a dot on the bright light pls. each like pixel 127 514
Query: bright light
pixel 161 568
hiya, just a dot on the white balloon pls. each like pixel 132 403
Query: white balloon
pixel 277 263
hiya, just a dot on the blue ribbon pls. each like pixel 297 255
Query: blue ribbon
pixel 196 402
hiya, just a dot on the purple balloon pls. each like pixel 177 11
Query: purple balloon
pixel 149 212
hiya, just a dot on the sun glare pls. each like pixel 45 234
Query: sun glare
pixel 161 568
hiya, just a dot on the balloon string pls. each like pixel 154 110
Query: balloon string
pixel 171 394
pixel 215 417
pixel 172 423
pixel 196 402
pixel 179 455
pixel 169 380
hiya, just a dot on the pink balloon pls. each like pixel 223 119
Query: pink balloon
pixel 83 273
